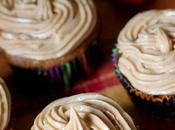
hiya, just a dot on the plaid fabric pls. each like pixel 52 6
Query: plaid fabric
pixel 103 78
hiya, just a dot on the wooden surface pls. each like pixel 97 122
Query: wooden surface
pixel 113 17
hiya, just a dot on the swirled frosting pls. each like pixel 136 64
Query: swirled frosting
pixel 89 111
pixel 5 105
pixel 147 44
pixel 44 29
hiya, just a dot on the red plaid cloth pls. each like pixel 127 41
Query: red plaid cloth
pixel 103 78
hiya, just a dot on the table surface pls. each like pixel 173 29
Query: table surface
pixel 113 17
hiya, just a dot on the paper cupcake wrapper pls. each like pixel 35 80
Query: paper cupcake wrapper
pixel 64 75
pixel 164 104
pixel 61 75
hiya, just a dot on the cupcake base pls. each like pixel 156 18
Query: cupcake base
pixel 161 105
pixel 61 76
pixel 158 105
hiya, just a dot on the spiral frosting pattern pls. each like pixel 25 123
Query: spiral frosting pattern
pixel 45 29
pixel 148 52
pixel 5 105
pixel 89 111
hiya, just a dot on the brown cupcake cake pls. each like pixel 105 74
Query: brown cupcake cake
pixel 144 60
pixel 89 111
pixel 48 38
pixel 5 107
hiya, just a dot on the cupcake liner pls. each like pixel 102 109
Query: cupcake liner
pixel 163 105
pixel 63 76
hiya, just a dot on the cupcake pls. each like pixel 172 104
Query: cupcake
pixel 144 60
pixel 49 39
pixel 83 112
pixel 5 107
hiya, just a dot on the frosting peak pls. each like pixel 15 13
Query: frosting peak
pixel 147 44
pixel 83 112
pixel 44 29
pixel 75 122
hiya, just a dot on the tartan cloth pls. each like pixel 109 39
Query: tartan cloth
pixel 103 78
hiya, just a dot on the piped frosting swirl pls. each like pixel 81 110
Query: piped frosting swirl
pixel 147 45
pixel 89 111
pixel 45 29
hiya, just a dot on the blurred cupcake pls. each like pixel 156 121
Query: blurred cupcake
pixel 144 60
pixel 83 112
pixel 5 107
pixel 48 38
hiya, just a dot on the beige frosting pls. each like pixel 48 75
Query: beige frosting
pixel 148 52
pixel 44 29
pixel 88 111
pixel 5 105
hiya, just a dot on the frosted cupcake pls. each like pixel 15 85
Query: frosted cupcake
pixel 144 59
pixel 5 107
pixel 83 112
pixel 48 38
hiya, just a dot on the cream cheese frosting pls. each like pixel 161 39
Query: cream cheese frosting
pixel 148 52
pixel 45 29
pixel 5 105
pixel 88 111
